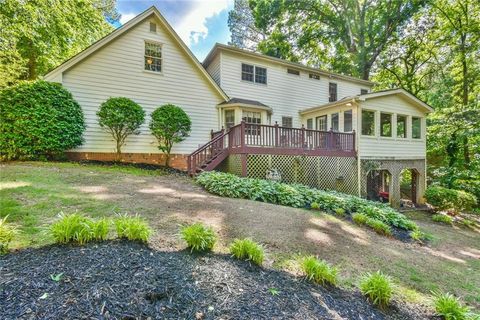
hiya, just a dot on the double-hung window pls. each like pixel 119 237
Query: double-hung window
pixel 334 119
pixel 332 92
pixel 322 123
pixel 153 56
pixel 287 122
pixel 254 74
pixel 229 118
pixel 416 128
pixel 252 119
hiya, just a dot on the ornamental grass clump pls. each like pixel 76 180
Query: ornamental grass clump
pixel 359 218
pixel 132 228
pixel 198 237
pixel 7 232
pixel 247 249
pixel 379 227
pixel 319 271
pixel 449 307
pixel 443 218
pixel 378 288
pixel 79 229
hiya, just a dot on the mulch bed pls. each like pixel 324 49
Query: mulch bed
pixel 126 280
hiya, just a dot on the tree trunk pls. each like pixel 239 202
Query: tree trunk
pixel 118 156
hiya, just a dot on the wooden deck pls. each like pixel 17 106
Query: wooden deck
pixel 270 139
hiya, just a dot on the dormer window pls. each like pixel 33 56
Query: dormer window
pixel 254 74
pixel 153 56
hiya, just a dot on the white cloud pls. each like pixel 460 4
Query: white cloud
pixel 127 17
pixel 191 27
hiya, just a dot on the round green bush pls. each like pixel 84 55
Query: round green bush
pixel 448 199
pixel 38 120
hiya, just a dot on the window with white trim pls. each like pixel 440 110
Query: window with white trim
pixel 385 124
pixel 252 119
pixel 401 126
pixel 287 122
pixel 368 123
pixel 254 74
pixel 347 121
pixel 416 128
pixel 153 56
pixel 334 121
pixel 332 92
pixel 322 123
pixel 229 118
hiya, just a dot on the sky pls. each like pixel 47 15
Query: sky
pixel 199 23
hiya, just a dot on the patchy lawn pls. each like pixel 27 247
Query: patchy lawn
pixel 32 194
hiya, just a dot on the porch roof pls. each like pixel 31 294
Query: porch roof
pixel 239 102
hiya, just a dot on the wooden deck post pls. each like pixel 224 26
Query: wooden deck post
pixel 303 137
pixel 353 137
pixel 277 135
pixel 330 139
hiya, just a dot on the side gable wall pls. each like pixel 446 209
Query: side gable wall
pixel 118 70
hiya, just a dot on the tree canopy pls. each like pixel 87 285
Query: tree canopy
pixel 37 35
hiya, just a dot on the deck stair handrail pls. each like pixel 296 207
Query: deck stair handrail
pixel 247 138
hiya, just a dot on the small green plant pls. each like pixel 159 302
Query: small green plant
pixel 417 235
pixel 468 223
pixel 198 237
pixel 319 271
pixel 273 291
pixel 7 232
pixel 340 212
pixel 450 308
pixel 80 229
pixel 315 206
pixel 378 287
pixel 443 218
pixel 359 218
pixel 247 249
pixel 132 228
pixel 379 226
pixel 56 277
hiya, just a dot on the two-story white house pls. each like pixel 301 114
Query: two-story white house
pixel 251 114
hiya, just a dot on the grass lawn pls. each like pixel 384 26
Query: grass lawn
pixel 33 194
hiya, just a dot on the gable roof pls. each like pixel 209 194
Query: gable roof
pixel 218 47
pixel 123 29
pixel 372 95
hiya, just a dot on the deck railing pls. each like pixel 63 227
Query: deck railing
pixel 270 139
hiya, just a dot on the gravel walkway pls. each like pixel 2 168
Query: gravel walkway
pixel 124 280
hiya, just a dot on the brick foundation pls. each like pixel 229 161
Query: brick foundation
pixel 177 161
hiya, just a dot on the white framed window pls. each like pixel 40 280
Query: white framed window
pixel 229 119
pixel 332 92
pixel 314 76
pixel 310 124
pixel 153 27
pixel 293 71
pixel 416 128
pixel 385 124
pixel 153 56
pixel 322 123
pixel 401 126
pixel 252 117
pixel 368 123
pixel 334 121
pixel 347 121
pixel 253 73
pixel 287 122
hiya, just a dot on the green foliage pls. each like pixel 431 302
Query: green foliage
pixel 38 120
pixel 247 249
pixel 449 199
pixel 443 218
pixel 380 227
pixel 121 117
pixel 7 232
pixel 300 196
pixel 378 287
pixel 31 47
pixel 198 237
pixel 450 308
pixel 79 229
pixel 359 218
pixel 319 271
pixel 418 235
pixel 132 228
pixel 170 125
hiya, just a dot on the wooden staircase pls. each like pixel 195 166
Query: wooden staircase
pixel 210 155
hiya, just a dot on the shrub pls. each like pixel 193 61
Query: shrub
pixel 169 124
pixel 198 237
pixel 121 117
pixel 132 228
pixel 340 212
pixel 359 218
pixel 443 218
pixel 319 271
pixel 80 229
pixel 448 199
pixel 247 249
pixel 300 196
pixel 417 235
pixel 378 288
pixel 38 120
pixel 7 232
pixel 449 307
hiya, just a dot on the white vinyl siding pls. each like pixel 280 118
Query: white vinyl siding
pixel 117 70
pixel 214 69
pixel 284 93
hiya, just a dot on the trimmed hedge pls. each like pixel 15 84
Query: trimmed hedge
pixel 300 196
pixel 38 120
pixel 449 199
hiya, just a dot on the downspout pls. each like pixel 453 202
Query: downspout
pixel 359 165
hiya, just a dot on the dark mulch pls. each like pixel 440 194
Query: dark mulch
pixel 122 280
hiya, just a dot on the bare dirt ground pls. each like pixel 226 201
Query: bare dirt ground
pixel 450 262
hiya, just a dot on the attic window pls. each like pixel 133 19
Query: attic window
pixel 153 27
pixel 314 76
pixel 363 91
pixel 153 57
pixel 293 71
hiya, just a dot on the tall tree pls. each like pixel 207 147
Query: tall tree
pixel 39 34
pixel 346 35
pixel 241 23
